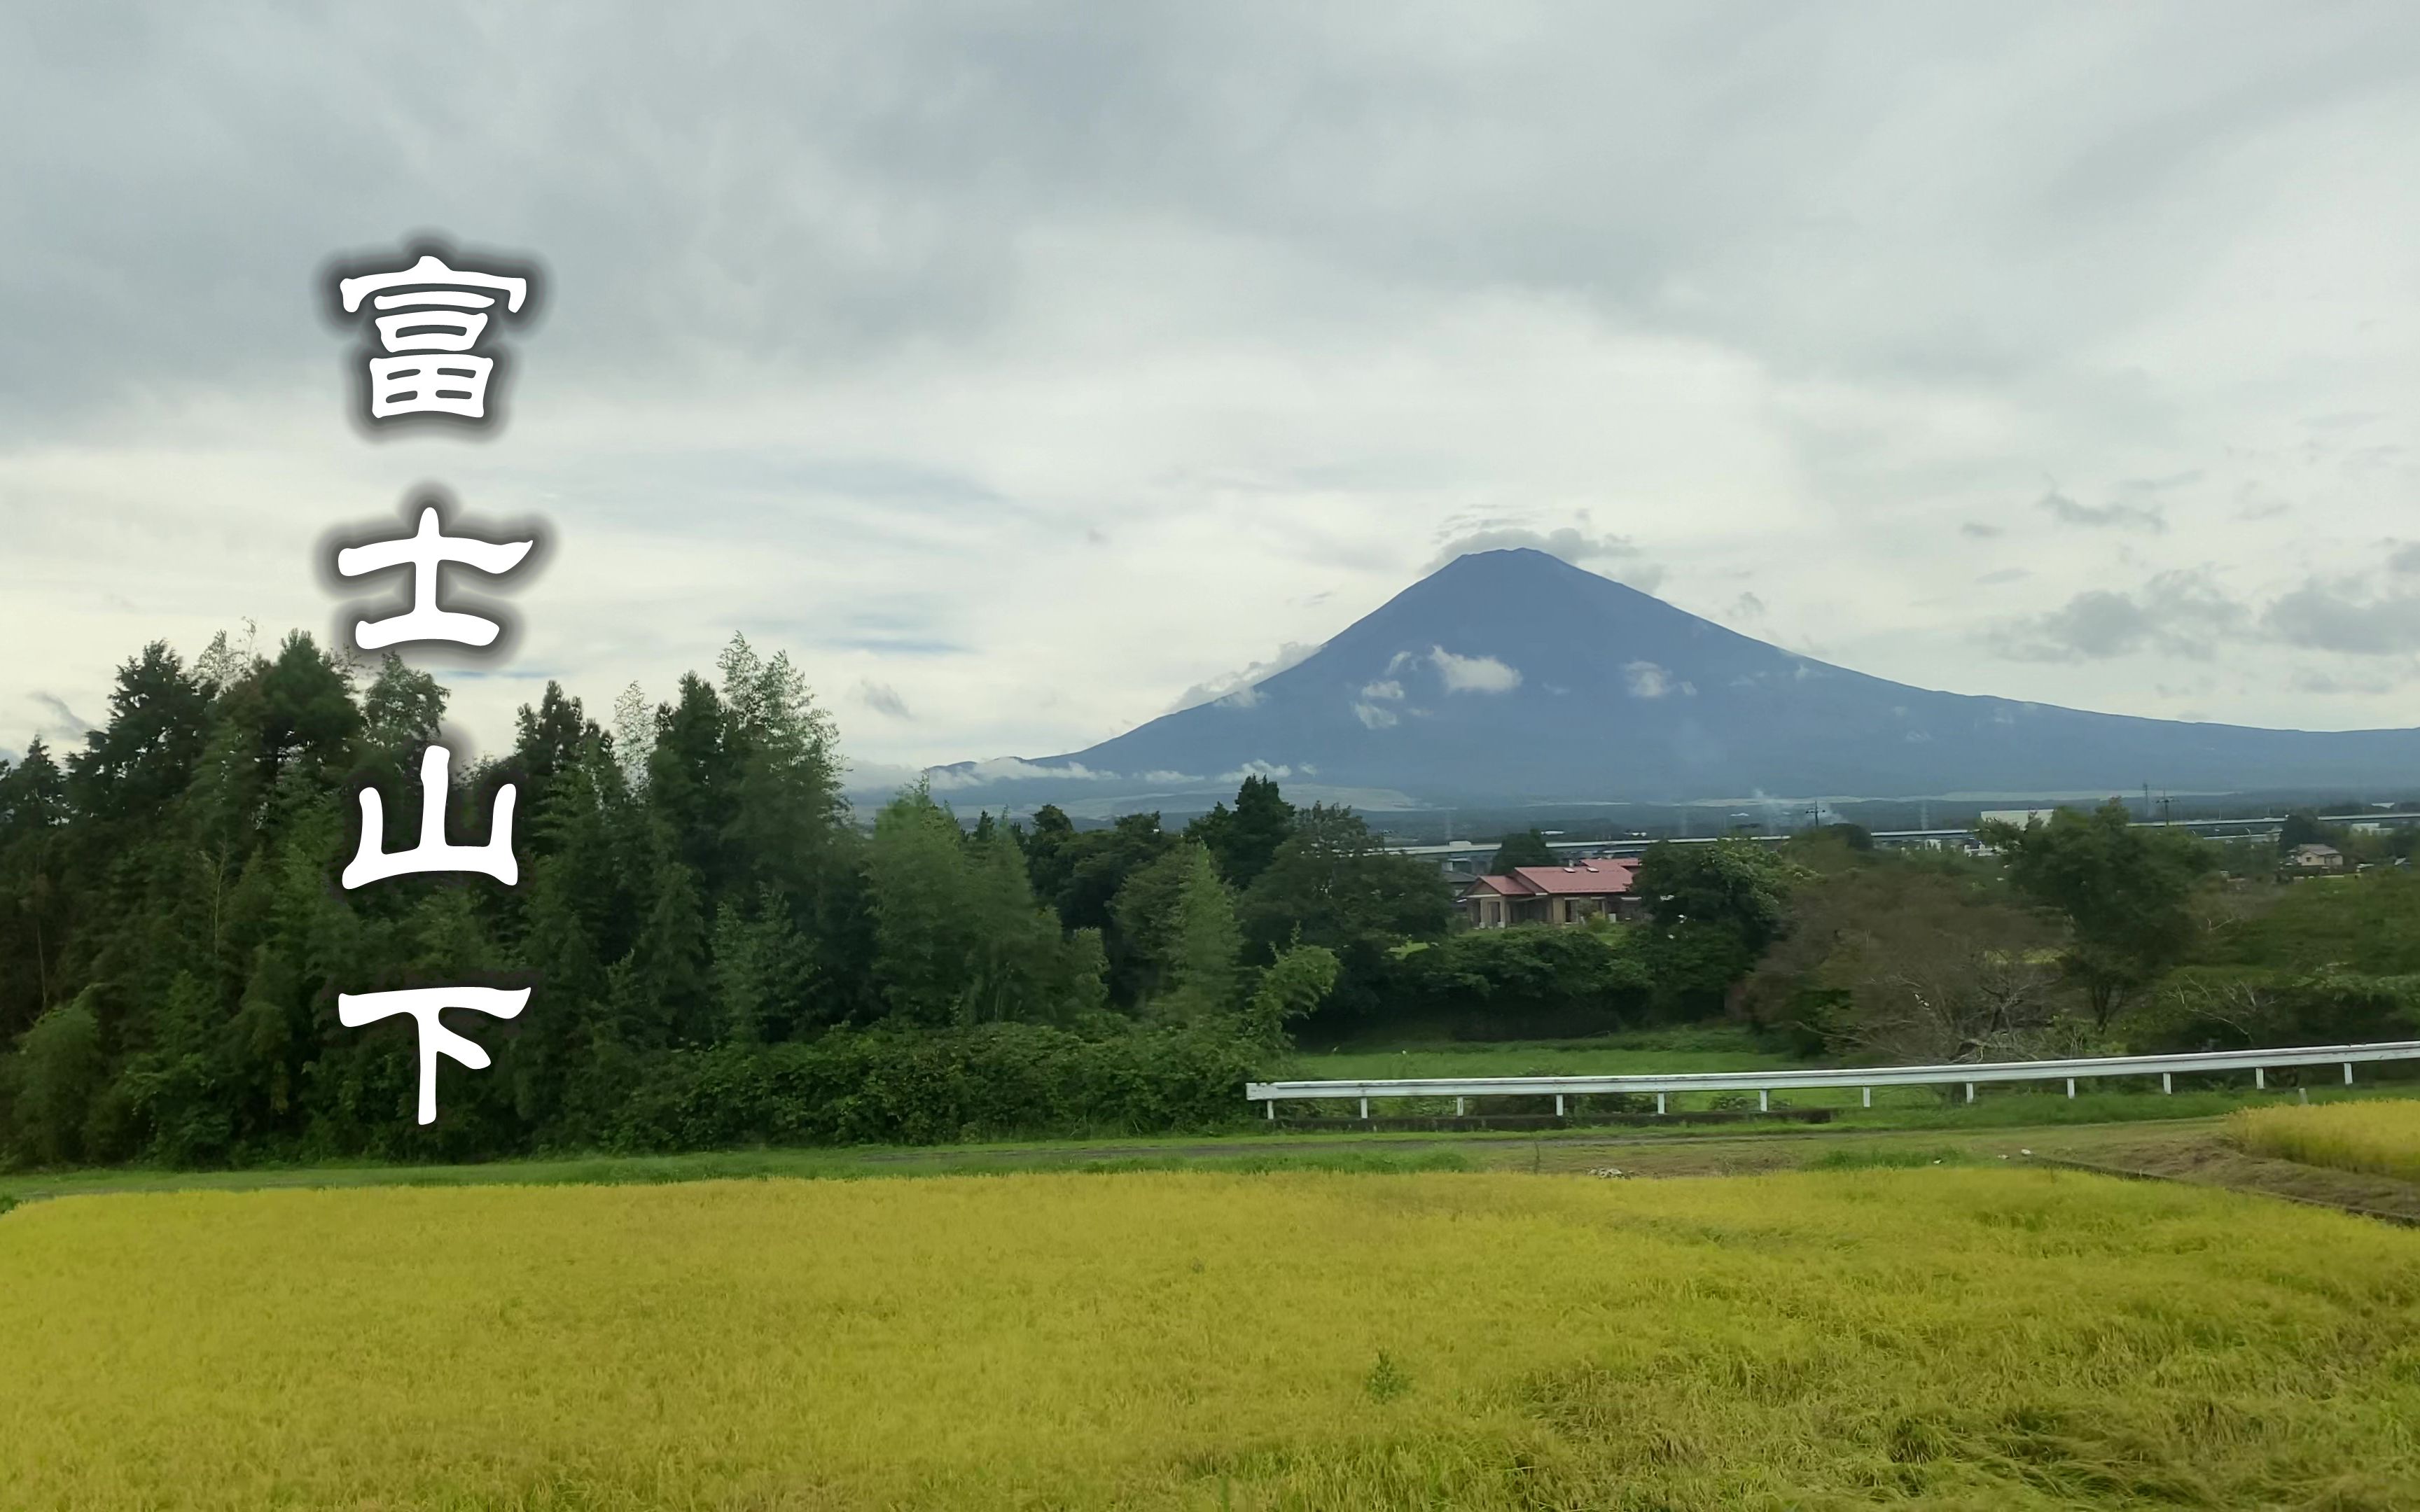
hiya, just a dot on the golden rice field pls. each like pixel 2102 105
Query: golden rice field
pixel 1981 1338
pixel 2380 1135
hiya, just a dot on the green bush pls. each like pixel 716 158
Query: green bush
pixel 889 1086
pixel 1527 979
pixel 60 1067
pixel 2247 1007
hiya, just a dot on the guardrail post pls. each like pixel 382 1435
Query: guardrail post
pixel 1569 1093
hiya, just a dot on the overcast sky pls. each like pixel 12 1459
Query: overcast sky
pixel 1026 370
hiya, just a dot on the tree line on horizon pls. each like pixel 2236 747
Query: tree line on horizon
pixel 722 953
pixel 718 949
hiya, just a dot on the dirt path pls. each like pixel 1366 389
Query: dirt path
pixel 2197 1155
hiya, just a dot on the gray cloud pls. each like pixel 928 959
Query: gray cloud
pixel 2004 574
pixel 789 186
pixel 2163 485
pixel 65 726
pixel 883 698
pixel 2377 685
pixel 2177 613
pixel 1979 530
pixel 847 302
pixel 2340 615
pixel 2184 614
pixel 2132 517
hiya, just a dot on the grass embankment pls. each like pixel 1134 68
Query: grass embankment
pixel 2380 1135
pixel 1985 1338
pixel 1615 1055
pixel 1247 1147
pixel 1363 1156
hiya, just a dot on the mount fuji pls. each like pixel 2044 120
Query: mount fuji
pixel 1514 677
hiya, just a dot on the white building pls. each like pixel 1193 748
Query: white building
pixel 2019 817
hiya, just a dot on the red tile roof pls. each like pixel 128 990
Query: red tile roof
pixel 1579 878
pixel 1583 879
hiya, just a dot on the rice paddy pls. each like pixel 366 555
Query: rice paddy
pixel 2380 1135
pixel 1969 1336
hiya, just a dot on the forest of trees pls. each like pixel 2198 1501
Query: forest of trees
pixel 719 950
pixel 722 953
pixel 2086 935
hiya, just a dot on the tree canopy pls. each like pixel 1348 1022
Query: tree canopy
pixel 2123 890
pixel 1529 848
pixel 697 903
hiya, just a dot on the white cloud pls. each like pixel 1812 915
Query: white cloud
pixel 1375 716
pixel 1011 769
pixel 1473 675
pixel 1239 690
pixel 1574 546
pixel 1389 689
pixel 1256 768
pixel 1645 680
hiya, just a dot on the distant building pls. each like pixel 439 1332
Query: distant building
pixel 2019 817
pixel 2314 859
pixel 1567 894
pixel 1459 860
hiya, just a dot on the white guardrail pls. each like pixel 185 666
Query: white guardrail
pixel 1765 1083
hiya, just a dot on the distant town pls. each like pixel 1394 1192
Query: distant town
pixel 1465 858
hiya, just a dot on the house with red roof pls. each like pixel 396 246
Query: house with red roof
pixel 1567 894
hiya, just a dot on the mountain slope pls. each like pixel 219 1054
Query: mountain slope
pixel 1514 676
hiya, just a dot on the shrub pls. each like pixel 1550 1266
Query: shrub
pixel 59 1066
pixel 1510 983
pixel 2232 1007
pixel 891 1086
